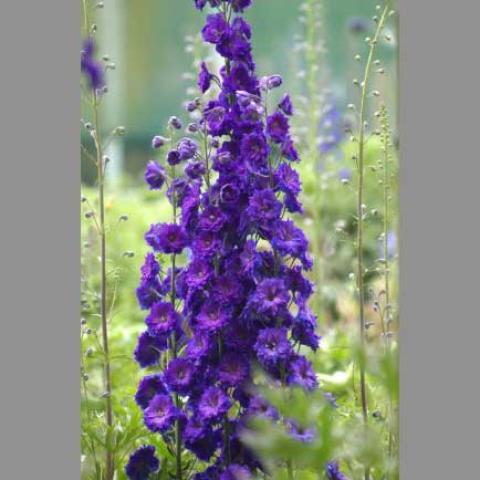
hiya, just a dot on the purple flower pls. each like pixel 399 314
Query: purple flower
pixel 234 44
pixel 179 375
pixel 264 207
pixel 277 127
pixel 289 151
pixel 148 292
pixel 142 463
pixel 150 268
pixel 200 4
pixel 272 346
pixel 173 157
pixel 289 239
pixel 198 347
pixel 301 373
pixel 255 150
pixel 198 273
pixel 215 29
pixel 297 432
pixel 204 78
pixel 187 148
pixel 212 318
pixel 286 105
pixel 161 413
pixel 206 244
pixel 240 5
pixel 163 319
pixel 90 67
pixel 303 330
pixel 236 472
pixel 233 370
pixel 271 82
pixel 258 406
pixel 148 387
pixel 155 175
pixel 345 174
pixel 158 142
pixel 270 297
pixel 148 349
pixel 288 179
pixel 195 169
pixel 333 472
pixel 167 238
pixel 213 404
pixel 212 219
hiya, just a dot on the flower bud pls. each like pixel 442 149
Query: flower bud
pixel 174 122
pixel 158 142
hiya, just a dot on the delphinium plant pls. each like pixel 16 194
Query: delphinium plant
pixel 224 286
pixel 104 437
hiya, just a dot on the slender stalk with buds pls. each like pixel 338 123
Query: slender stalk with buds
pixel 360 207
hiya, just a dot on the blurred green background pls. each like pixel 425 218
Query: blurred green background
pixel 145 40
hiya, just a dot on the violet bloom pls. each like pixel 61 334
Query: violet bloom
pixel 148 387
pixel 236 472
pixel 271 296
pixel 215 29
pixel 301 373
pixel 186 148
pixel 286 105
pixel 142 463
pixel 333 472
pixel 273 346
pixel 91 67
pixel 148 349
pixel 302 434
pixel 167 238
pixel 160 414
pixel 240 5
pixel 204 78
pixel 258 406
pixel 212 318
pixel 179 375
pixel 255 150
pixel 163 319
pixel 233 370
pixel 155 175
pixel 213 404
pixel 277 127
pixel 150 268
pixel 289 239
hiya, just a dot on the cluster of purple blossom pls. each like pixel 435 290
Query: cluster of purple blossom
pixel 241 300
pixel 90 66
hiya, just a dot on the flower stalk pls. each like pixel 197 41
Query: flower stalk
pixel 361 214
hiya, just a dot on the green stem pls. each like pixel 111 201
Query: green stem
pixel 360 213
pixel 173 348
pixel 109 464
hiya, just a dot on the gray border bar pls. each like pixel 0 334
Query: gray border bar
pixel 440 261
pixel 40 240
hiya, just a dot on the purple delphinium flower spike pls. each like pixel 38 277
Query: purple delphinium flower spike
pixel 236 294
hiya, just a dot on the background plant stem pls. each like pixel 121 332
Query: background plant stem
pixel 360 215
pixel 109 461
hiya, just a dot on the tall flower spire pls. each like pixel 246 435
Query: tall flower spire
pixel 241 298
